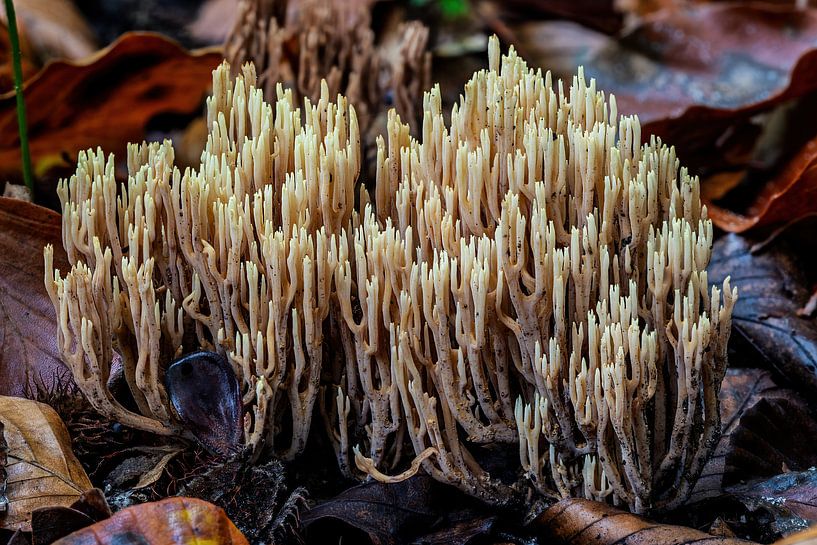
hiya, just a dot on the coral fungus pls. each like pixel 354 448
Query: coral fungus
pixel 529 275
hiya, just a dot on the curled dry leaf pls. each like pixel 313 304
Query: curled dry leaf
pixel 790 195
pixel 772 289
pixel 172 521
pixel 584 522
pixel 54 28
pixel 106 100
pixel 42 469
pixel 691 74
pixel 28 340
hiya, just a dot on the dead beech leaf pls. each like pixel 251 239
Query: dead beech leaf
pixel 583 522
pixel 28 326
pixel 42 469
pixel 790 195
pixel 54 28
pixel 690 74
pixel 772 288
pixel 106 100
pixel 172 521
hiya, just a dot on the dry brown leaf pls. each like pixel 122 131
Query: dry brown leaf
pixel 584 522
pixel 106 100
pixel 28 326
pixel 789 196
pixel 42 469
pixel 55 28
pixel 693 74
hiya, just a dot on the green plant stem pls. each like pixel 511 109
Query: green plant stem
pixel 22 124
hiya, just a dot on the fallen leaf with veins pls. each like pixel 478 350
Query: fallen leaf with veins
pixel 575 521
pixel 42 469
pixel 766 430
pixel 772 289
pixel 29 356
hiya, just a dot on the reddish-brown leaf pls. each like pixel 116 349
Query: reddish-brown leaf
pixel 106 100
pixel 693 73
pixel 790 195
pixel 172 521
pixel 28 326
pixel 584 522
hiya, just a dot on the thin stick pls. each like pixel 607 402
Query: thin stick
pixel 22 124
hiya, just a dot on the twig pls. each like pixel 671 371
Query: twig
pixel 22 124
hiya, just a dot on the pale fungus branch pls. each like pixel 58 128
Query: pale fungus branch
pixel 530 276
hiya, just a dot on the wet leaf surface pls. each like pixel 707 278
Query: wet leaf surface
pixel 585 522
pixel 771 284
pixel 205 393
pixel 71 105
pixel 28 325
pixel 42 469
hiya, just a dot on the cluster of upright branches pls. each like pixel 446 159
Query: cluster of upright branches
pixel 529 274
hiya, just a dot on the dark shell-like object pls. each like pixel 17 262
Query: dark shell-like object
pixel 205 393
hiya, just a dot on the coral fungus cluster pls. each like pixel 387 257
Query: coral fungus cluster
pixel 332 40
pixel 530 274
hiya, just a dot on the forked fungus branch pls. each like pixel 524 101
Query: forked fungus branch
pixel 530 275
